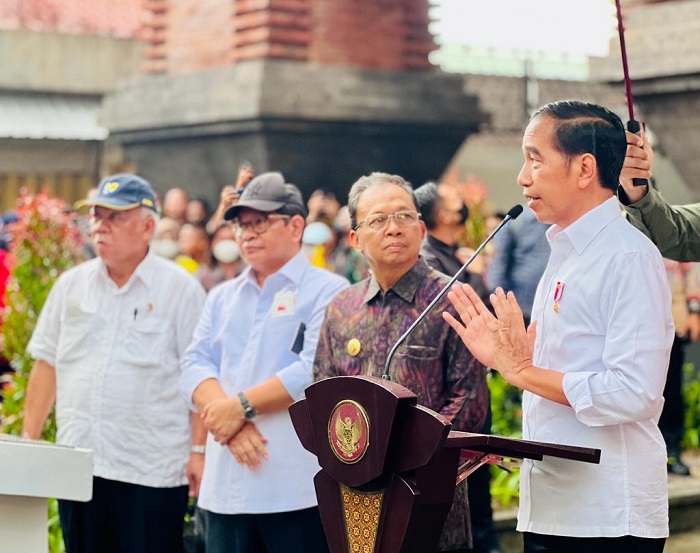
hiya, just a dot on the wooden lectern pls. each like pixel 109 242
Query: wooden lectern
pixel 389 466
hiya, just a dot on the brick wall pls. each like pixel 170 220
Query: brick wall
pixel 389 34
pixel 193 35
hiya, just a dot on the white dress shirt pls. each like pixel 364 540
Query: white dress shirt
pixel 611 335
pixel 243 338
pixel 117 353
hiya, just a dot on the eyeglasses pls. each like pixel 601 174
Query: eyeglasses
pixel 380 220
pixel 258 225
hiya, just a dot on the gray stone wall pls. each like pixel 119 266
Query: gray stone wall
pixel 290 90
pixel 663 50
pixel 54 62
pixel 321 126
pixel 662 40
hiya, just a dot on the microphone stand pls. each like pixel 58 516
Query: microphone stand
pixel 512 214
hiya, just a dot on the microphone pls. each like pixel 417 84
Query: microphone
pixel 513 213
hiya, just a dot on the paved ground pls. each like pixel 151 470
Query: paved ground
pixel 686 542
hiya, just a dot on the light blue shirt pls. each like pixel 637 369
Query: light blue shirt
pixel 610 331
pixel 244 337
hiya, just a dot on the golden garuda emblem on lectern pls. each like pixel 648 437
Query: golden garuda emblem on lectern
pixel 348 431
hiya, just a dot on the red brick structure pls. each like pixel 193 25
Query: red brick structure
pixel 322 90
pixel 197 35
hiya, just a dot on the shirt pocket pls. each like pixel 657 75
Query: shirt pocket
pixel 79 326
pixel 285 333
pixel 146 343
pixel 418 368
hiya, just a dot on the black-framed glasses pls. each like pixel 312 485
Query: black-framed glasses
pixel 378 221
pixel 258 225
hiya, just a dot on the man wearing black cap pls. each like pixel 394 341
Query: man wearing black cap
pixel 107 347
pixel 251 357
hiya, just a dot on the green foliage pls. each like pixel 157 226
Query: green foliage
pixel 691 393
pixel 45 243
pixel 506 407
pixel 55 533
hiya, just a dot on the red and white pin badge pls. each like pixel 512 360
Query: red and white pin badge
pixel 558 293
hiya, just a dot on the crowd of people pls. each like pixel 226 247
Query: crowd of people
pixel 175 351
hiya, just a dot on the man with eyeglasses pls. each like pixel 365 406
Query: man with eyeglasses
pixel 592 364
pixel 107 349
pixel 363 322
pixel 251 357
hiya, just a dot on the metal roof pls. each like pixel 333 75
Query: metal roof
pixel 50 116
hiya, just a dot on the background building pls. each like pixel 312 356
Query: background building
pixel 183 91
pixel 58 61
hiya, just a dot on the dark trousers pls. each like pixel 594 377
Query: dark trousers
pixel 539 543
pixel 124 518
pixel 672 420
pixel 290 532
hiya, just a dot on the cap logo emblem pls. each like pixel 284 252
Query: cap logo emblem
pixel 146 201
pixel 110 187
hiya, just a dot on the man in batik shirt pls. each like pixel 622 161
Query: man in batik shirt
pixel 363 322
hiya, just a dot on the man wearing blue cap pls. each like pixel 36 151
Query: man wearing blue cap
pixel 250 358
pixel 107 350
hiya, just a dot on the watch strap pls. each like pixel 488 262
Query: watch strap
pixel 248 410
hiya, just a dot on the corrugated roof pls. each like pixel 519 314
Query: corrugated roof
pixel 52 116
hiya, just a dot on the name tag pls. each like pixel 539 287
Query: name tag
pixel 283 304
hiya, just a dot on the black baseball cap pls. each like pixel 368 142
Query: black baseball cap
pixel 268 192
pixel 121 192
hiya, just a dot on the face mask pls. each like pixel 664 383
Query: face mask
pixel 225 251
pixel 167 247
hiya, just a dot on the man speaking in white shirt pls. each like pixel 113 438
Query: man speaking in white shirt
pixel 593 363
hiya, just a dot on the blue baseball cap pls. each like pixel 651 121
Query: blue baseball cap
pixel 121 192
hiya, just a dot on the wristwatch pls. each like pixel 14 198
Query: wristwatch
pixel 249 411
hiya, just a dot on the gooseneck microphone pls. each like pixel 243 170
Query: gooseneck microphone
pixel 513 213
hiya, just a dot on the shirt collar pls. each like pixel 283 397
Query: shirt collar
pixel 406 287
pixel 145 271
pixel 440 245
pixel 582 231
pixel 293 270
